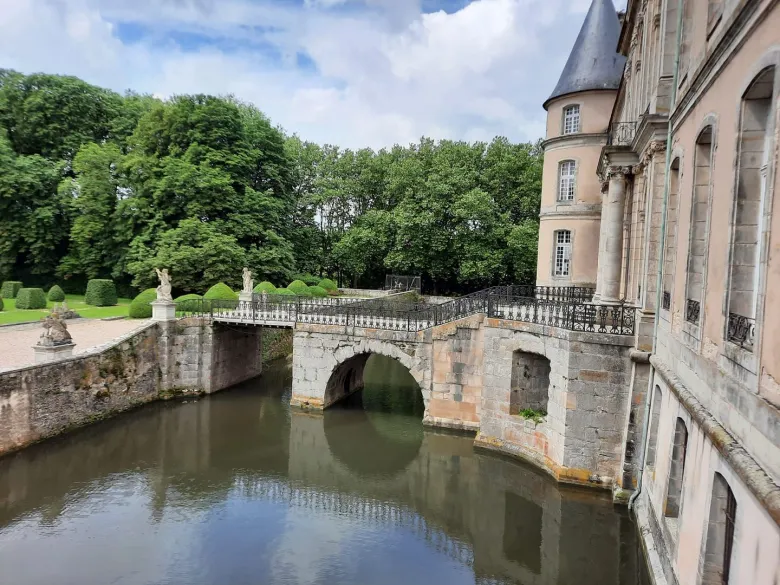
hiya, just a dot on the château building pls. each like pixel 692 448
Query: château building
pixel 660 175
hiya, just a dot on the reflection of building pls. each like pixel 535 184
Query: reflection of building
pixel 659 188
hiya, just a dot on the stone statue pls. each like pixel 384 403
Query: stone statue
pixel 248 282
pixel 62 311
pixel 164 289
pixel 55 332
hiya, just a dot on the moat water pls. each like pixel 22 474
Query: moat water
pixel 238 489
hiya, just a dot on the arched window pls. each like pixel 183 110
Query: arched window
pixel 670 239
pixel 720 533
pixel 755 148
pixel 571 119
pixel 655 420
pixel 562 259
pixel 567 181
pixel 698 237
pixel 676 470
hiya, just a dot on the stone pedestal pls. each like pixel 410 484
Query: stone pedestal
pixel 245 297
pixel 163 311
pixel 45 354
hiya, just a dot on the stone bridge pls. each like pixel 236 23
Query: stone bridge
pixel 540 373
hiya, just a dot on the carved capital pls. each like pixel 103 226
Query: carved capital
pixel 638 169
pixel 618 172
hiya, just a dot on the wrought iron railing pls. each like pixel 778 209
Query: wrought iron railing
pixel 692 310
pixel 741 330
pixel 550 306
pixel 621 133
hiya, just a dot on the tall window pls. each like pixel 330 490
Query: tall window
pixel 562 253
pixel 676 470
pixel 655 420
pixel 697 244
pixel 566 180
pixel 755 148
pixel 571 119
pixel 714 14
pixel 720 533
pixel 686 37
pixel 670 244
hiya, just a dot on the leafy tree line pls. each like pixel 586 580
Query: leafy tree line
pixel 94 184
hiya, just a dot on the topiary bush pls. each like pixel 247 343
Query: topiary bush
pixel 309 279
pixel 101 292
pixel 284 292
pixel 140 307
pixel 188 303
pixel 1 303
pixel 30 298
pixel 298 287
pixel 265 287
pixel 328 285
pixel 10 288
pixel 56 294
pixel 317 291
pixel 220 292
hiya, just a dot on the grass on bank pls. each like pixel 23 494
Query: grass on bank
pixel 10 314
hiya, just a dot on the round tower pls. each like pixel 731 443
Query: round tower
pixel 578 114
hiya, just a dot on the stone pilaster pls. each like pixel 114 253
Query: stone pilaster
pixel 611 244
pixel 602 239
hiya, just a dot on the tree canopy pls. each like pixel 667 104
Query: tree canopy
pixel 94 184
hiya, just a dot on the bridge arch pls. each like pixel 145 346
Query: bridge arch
pixel 346 375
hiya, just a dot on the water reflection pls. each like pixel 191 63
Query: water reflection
pixel 238 489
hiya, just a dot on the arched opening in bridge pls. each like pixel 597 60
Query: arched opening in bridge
pixel 530 383
pixel 375 424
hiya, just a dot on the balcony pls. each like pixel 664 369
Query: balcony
pixel 741 330
pixel 621 134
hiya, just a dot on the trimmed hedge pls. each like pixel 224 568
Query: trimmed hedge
pixel 1 303
pixel 140 307
pixel 220 292
pixel 188 303
pixel 298 287
pixel 328 285
pixel 56 294
pixel 317 291
pixel 266 287
pixel 284 292
pixel 31 298
pixel 10 289
pixel 309 279
pixel 101 292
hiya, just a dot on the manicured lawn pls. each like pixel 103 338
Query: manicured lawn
pixel 10 314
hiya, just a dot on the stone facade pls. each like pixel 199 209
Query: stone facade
pixel 158 361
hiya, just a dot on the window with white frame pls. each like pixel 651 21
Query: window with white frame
pixel 566 180
pixel 571 119
pixel 562 253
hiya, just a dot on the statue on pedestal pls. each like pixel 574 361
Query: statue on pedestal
pixel 248 282
pixel 164 288
pixel 55 332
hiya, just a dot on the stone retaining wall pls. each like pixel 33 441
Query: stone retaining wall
pixel 156 362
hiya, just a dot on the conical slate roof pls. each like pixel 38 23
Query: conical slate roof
pixel 594 62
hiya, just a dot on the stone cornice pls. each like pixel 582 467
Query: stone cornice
pixel 569 140
pixel 583 210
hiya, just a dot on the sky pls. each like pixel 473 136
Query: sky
pixel 354 73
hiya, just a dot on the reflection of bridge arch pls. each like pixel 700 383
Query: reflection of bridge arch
pixel 360 456
pixel 346 373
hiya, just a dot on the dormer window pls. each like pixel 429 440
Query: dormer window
pixel 571 119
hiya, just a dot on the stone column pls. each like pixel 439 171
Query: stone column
pixel 611 260
pixel 602 239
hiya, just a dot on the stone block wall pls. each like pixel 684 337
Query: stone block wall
pixel 158 361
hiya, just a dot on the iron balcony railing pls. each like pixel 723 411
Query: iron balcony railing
pixel 621 133
pixel 564 307
pixel 692 311
pixel 741 330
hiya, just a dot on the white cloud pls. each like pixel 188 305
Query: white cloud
pixel 385 72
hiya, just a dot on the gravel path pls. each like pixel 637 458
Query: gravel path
pixel 16 341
